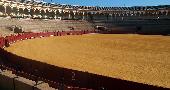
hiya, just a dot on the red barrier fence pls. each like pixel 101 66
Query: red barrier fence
pixel 13 38
pixel 2 42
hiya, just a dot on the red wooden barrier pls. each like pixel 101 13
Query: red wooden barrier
pixel 13 38
pixel 48 34
pixel 73 32
pixel 59 33
pixel 2 42
pixel 55 33
pixel 62 33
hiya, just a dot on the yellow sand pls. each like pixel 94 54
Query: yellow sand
pixel 139 58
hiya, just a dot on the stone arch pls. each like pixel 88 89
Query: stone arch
pixel 72 14
pixel 85 13
pixel 164 12
pixel 121 14
pixel 66 15
pixel 125 15
pixel 115 15
pixel 150 13
pixel 90 16
pixel 21 11
pixel 15 10
pixel 107 16
pixel 102 13
pixel 141 13
pixel 43 13
pixel 138 14
pixel 102 16
pixel 159 13
pixel 154 13
pixel 110 14
pixel 31 12
pixel 52 14
pixel 47 13
pixel 61 14
pixel 80 15
pixel 85 16
pixel 76 16
pixel 26 11
pixel 2 9
pixel 57 13
pixel 8 10
pixel 144 13
pixel 97 15
pixel 37 12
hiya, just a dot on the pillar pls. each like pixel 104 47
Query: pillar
pixel 55 15
pixel 111 16
pixel 5 10
pixel 69 16
pixel 83 16
pixel 74 15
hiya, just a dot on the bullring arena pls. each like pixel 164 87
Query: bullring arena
pixel 107 55
pixel 63 47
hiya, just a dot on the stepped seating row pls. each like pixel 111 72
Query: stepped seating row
pixel 10 81
pixel 44 25
pixel 4 33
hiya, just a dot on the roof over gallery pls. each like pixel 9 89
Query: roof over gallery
pixel 96 8
pixel 112 3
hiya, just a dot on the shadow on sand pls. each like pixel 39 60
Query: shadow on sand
pixel 68 77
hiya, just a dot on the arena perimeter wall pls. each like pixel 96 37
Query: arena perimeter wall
pixel 59 77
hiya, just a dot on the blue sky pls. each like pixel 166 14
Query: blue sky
pixel 113 2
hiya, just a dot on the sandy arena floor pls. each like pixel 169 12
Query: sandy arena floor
pixel 139 58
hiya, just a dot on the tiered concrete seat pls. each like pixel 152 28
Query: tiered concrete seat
pixel 10 81
pixel 43 25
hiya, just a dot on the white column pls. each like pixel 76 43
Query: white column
pixel 166 12
pixel 5 10
pixel 111 15
pixel 45 16
pixel 115 15
pixel 18 14
pixel 74 15
pixel 55 15
pixel 69 16
pixel 83 16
